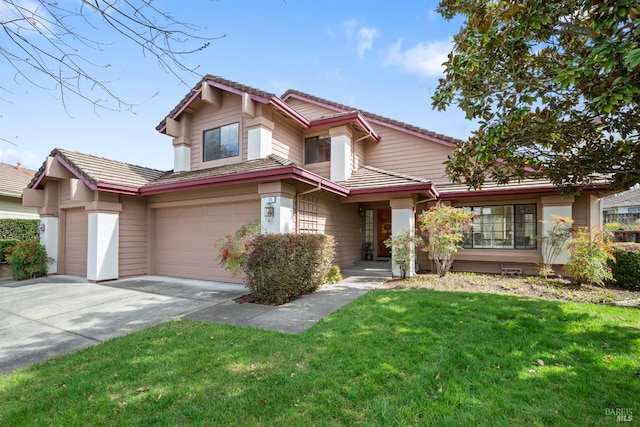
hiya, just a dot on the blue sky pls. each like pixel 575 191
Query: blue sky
pixel 380 56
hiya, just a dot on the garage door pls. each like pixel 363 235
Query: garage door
pixel 75 248
pixel 185 238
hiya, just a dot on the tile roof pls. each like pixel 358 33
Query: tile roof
pixel 271 162
pixel 98 170
pixel 14 179
pixel 626 198
pixel 368 115
pixel 368 177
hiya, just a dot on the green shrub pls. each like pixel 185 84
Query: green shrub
pixel 4 245
pixel 589 252
pixel 334 275
pixel 283 267
pixel 27 260
pixel 613 226
pixel 21 229
pixel 626 267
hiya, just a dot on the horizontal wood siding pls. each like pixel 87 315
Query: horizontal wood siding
pixel 11 207
pixel 407 154
pixel 210 117
pixel 359 159
pixel 287 140
pixel 134 237
pixel 322 168
pixel 209 195
pixel 342 221
pixel 308 110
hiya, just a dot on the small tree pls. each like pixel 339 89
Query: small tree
pixel 589 252
pixel 554 242
pixel 234 250
pixel 444 227
pixel 401 245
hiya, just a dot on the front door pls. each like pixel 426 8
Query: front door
pixel 384 231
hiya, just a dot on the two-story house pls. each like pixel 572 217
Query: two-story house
pixel 295 163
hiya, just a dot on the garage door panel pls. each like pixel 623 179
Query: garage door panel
pixel 185 238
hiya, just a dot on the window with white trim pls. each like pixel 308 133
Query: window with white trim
pixel 502 227
pixel 221 142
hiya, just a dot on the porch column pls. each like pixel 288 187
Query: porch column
pixel 49 228
pixel 276 207
pixel 103 241
pixel 403 218
pixel 555 205
pixel 341 159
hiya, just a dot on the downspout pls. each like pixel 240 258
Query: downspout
pixel 318 188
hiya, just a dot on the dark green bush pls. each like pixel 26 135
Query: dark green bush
pixel 626 268
pixel 27 260
pixel 4 244
pixel 283 267
pixel 21 229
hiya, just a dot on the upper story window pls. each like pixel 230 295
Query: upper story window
pixel 317 149
pixel 220 143
pixel 503 227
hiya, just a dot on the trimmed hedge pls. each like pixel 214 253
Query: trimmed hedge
pixel 283 267
pixel 626 268
pixel 4 244
pixel 21 229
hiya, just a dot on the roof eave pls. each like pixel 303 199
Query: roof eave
pixel 287 172
pixel 398 189
pixel 354 117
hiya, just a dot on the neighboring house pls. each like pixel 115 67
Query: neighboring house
pixel 622 207
pixel 295 163
pixel 13 180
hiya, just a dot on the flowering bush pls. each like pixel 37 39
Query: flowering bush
pixel 234 250
pixel 444 226
pixel 554 242
pixel 589 252
pixel 27 260
pixel 401 247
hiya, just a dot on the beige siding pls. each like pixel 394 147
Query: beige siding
pixel 205 196
pixel 342 221
pixel 322 168
pixel 75 242
pixel 411 155
pixel 133 254
pixel 287 140
pixel 210 117
pixel 359 159
pixel 308 110
pixel 581 214
pixel 11 207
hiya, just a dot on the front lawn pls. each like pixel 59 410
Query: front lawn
pixel 410 357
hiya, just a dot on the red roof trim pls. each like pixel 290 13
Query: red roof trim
pixel 354 116
pixel 399 189
pixel 285 108
pixel 505 192
pixel 182 108
pixel 75 172
pixel 118 188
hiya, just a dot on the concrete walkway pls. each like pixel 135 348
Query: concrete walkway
pixel 46 317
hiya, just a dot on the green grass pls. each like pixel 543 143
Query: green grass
pixel 412 357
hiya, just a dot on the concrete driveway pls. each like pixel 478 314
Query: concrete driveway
pixel 43 318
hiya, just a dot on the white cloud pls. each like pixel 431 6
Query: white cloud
pixel 423 59
pixel 365 39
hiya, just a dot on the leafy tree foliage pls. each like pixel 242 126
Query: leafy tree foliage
pixel 554 85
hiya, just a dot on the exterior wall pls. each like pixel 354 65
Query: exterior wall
pixel 322 168
pixel 11 207
pixel 134 237
pixel 391 153
pixel 342 221
pixel 210 117
pixel 287 140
